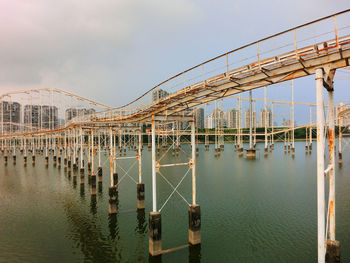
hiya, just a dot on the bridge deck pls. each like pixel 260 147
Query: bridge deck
pixel 332 54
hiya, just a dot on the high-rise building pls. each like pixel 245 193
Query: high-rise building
pixel 43 117
pixel 225 119
pixel 265 114
pixel 209 122
pixel 10 117
pixel 74 112
pixel 233 119
pixel 338 109
pixel 158 94
pixel 200 118
pixel 219 118
pixel 49 119
pixel 247 119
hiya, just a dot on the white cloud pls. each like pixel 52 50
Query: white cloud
pixel 113 51
pixel 80 45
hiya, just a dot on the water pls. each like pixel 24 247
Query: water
pixel 252 211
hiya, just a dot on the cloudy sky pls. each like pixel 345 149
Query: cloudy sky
pixel 113 51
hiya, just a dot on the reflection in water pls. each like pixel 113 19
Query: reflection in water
pixel 113 204
pixel 141 222
pixel 100 189
pixel 260 189
pixel 88 236
pixel 74 181
pixel 93 205
pixel 113 226
pixel 82 191
pixel 141 233
pixel 156 259
pixel 194 255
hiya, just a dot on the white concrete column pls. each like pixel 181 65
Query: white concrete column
pixel 320 167
pixel 154 172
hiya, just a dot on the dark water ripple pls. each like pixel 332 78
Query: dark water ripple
pixel 252 211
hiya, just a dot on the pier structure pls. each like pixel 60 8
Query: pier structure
pixel 58 124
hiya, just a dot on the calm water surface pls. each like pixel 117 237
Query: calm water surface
pixel 252 211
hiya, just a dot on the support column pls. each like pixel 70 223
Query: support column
pixel 285 142
pixel 292 113
pixel 154 178
pixel 115 174
pixel 155 225
pixel 81 158
pixel 320 167
pixel 265 122
pixel 75 157
pixel 65 148
pixel 46 152
pixel 33 152
pixel 140 185
pixel 194 212
pixel 54 151
pixel 93 175
pixel 25 152
pixel 99 169
pixel 89 156
pixel 113 190
pixel 310 133
pixel 69 157
pixel 5 155
pixel 59 151
pixel 240 143
pixel 306 141
pixel 272 128
pixel 14 157
pixel 340 154
pixel 333 246
pixel 251 151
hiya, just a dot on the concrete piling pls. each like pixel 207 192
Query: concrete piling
pixel 240 151
pixel 69 167
pixel 155 233
pixel 194 224
pixel 89 168
pixel 93 184
pixel 113 199
pixel 333 251
pixel 99 173
pixel 140 196
pixel 82 176
pixel 251 154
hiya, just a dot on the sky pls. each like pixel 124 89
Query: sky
pixel 114 51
